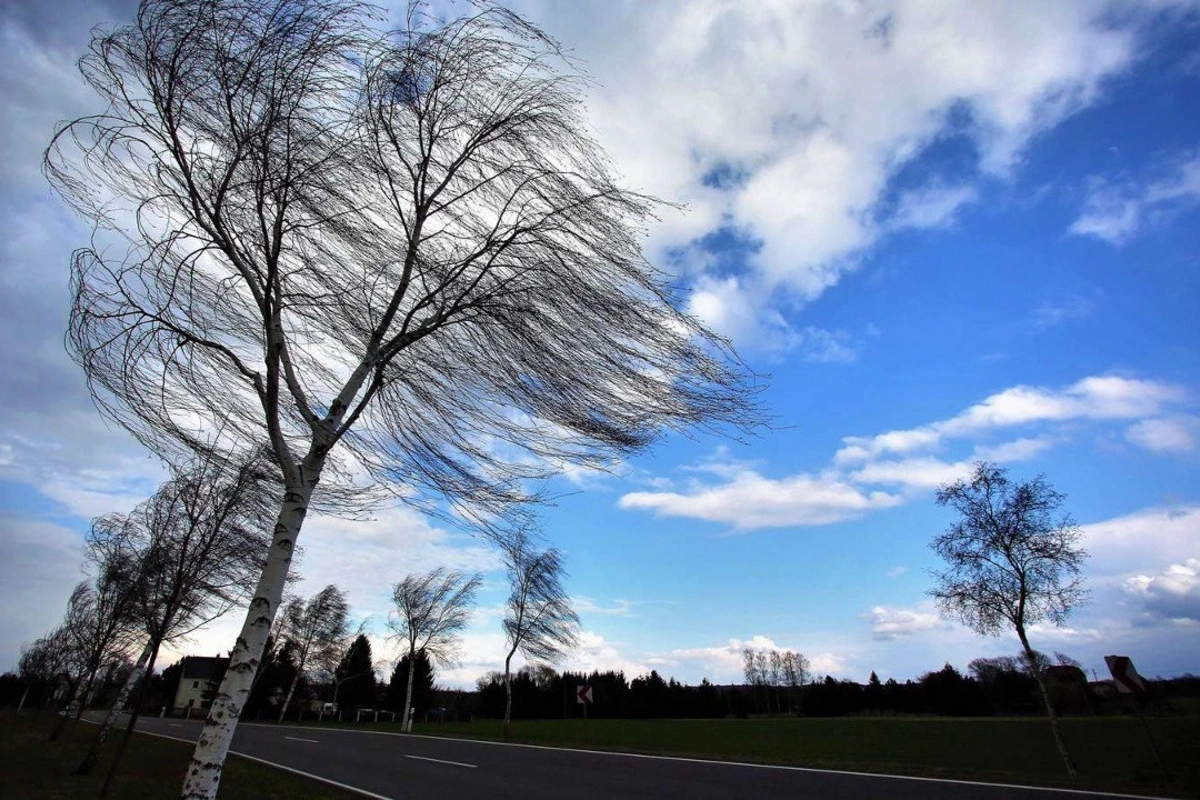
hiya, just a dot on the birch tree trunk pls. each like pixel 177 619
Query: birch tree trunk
pixel 408 692
pixel 292 688
pixel 73 703
pixel 134 712
pixel 89 761
pixel 1054 727
pixel 204 773
pixel 508 695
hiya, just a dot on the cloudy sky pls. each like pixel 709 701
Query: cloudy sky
pixel 949 231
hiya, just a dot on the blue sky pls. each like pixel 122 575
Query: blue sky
pixel 947 233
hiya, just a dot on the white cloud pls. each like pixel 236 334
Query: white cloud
pixel 1144 540
pixel 807 112
pixel 898 623
pixel 750 501
pixel 586 605
pixel 1116 212
pixel 1173 594
pixel 367 558
pixel 904 458
pixel 932 207
pixel 723 664
pixel 1108 397
pixel 1016 450
pixel 916 473
pixel 39 565
pixel 1173 434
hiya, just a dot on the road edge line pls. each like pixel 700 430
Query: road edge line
pixel 329 781
pixel 718 762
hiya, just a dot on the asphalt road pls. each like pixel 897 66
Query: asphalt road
pixel 403 767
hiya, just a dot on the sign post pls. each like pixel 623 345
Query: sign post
pixel 1129 682
pixel 583 696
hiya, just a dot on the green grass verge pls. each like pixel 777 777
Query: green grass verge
pixel 153 768
pixel 1112 753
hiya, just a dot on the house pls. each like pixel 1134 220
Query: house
pixel 199 678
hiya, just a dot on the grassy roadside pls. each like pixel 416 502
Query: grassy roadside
pixel 1112 752
pixel 153 768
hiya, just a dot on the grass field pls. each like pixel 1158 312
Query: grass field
pixel 1112 753
pixel 153 768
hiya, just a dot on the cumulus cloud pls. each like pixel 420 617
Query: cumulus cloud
pixel 1172 595
pixel 1116 211
pixel 907 462
pixel 898 623
pixel 722 663
pixel 1172 434
pixel 1107 397
pixel 750 500
pixel 790 124
pixel 1144 540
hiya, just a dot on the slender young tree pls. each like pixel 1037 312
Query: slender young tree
pixel 380 254
pixel 538 619
pixel 98 624
pixel 317 629
pixel 1012 560
pixel 429 612
pixel 194 548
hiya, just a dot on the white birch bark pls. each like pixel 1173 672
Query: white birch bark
pixel 508 693
pixel 408 692
pixel 204 773
pixel 139 669
pixel 292 688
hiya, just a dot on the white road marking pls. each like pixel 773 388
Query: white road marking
pixel 443 761
pixel 174 725
pixel 302 773
pixel 298 739
pixel 745 764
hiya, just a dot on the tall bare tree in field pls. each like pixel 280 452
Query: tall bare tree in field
pixel 429 612
pixel 396 256
pixel 1012 560
pixel 317 629
pixel 194 549
pixel 538 618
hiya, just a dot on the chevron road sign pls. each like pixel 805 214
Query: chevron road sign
pixel 583 694
pixel 1124 675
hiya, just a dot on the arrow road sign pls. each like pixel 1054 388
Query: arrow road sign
pixel 1124 675
pixel 583 694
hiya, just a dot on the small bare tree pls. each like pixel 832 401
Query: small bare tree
pixel 538 618
pixel 430 611
pixel 98 624
pixel 317 629
pixel 1012 561
pixel 395 254
pixel 44 665
pixel 194 549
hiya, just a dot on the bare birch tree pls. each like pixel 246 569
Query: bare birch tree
pixel 538 619
pixel 194 548
pixel 97 624
pixel 395 255
pixel 1012 561
pixel 430 611
pixel 317 629
pixel 44 664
